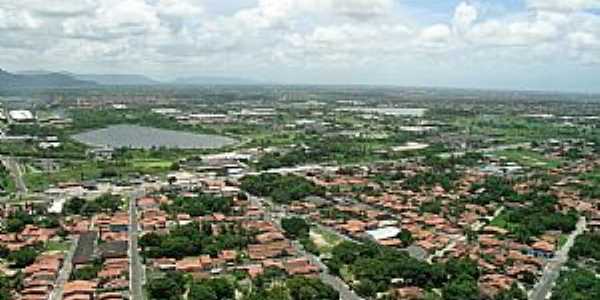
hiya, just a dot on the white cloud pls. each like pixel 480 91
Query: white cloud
pixel 564 5
pixel 114 19
pixel 17 20
pixel 59 8
pixel 278 34
pixel 513 33
pixel 464 16
pixel 435 35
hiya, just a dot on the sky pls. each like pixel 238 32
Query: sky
pixel 496 44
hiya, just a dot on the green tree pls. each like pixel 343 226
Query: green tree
pixel 170 287
pixel 305 288
pixel 4 252
pixel 74 206
pixel 514 293
pixel 461 288
pixel 14 225
pixel 405 237
pixel 23 257
pixel 295 227
pixel 216 288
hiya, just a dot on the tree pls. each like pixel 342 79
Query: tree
pixel 458 267
pixel 461 288
pixel 74 206
pixel 151 239
pixel 514 293
pixel 5 288
pixel 405 237
pixel 202 292
pixel 14 225
pixel 275 293
pixel 108 202
pixel 86 273
pixel 212 289
pixel 171 287
pixel 4 252
pixel 305 288
pixel 295 227
pixel 23 257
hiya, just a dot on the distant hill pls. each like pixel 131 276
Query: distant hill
pixel 206 80
pixel 117 79
pixel 73 79
pixel 40 80
pixel 101 79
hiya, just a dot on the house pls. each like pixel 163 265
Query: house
pixel 116 249
pixel 542 249
pixel 270 250
pixel 408 293
pixel 164 263
pixel 79 290
pixel 300 266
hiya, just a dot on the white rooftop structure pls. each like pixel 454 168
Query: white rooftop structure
pixel 21 115
pixel 166 111
pixel 384 233
pixel 410 146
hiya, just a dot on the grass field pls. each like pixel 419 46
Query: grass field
pixel 58 246
pixel 93 170
pixel 529 158
pixel 324 240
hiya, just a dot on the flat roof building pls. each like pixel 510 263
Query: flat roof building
pixel 383 233
pixel 21 115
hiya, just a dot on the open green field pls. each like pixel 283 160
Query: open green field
pixel 529 158
pixel 58 246
pixel 324 240
pixel 94 170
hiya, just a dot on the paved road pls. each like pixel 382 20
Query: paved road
pixel 13 166
pixel 338 284
pixel 552 271
pixel 136 269
pixel 65 272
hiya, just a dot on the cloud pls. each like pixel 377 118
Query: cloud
pixel 274 36
pixel 464 16
pixel 564 5
pixel 17 20
pixel 59 8
pixel 114 19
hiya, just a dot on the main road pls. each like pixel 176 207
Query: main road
pixel 335 282
pixel 65 271
pixel 15 169
pixel 136 268
pixel 552 270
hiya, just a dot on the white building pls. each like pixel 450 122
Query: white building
pixel 21 116
pixel 383 233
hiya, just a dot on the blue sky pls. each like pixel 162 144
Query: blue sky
pixel 508 44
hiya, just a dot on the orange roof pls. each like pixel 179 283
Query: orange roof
pixel 79 286
pixel 543 246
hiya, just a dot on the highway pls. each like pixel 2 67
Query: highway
pixel 544 287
